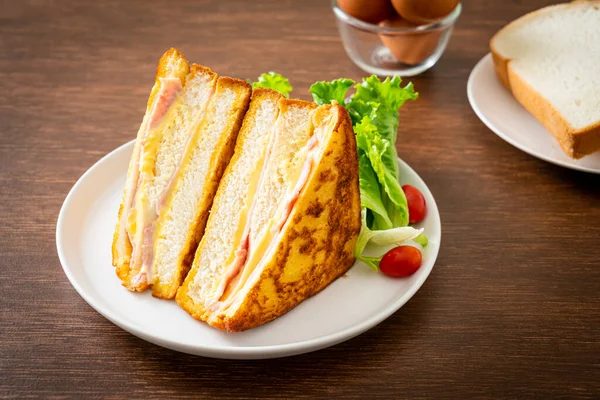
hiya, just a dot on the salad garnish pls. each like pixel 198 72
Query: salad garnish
pixel 275 81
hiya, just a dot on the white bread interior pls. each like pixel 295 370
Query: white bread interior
pixel 550 60
pixel 210 147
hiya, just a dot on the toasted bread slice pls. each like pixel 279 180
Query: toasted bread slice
pixel 549 60
pixel 170 77
pixel 300 230
pixel 210 147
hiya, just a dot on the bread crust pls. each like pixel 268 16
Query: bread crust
pixel 219 160
pixel 576 143
pixel 317 243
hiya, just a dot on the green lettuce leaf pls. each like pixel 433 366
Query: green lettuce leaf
pixel 274 81
pixel 325 92
pixel 398 214
pixel 394 236
pixel 382 156
pixel 386 98
pixel 388 93
pixel 361 109
pixel 421 240
pixel 370 196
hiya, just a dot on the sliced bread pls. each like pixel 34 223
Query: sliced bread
pixel 550 60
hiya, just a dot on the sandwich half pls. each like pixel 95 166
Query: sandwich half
pixel 173 177
pixel 285 217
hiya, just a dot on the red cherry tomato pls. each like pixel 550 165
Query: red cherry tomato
pixel 401 261
pixel 416 204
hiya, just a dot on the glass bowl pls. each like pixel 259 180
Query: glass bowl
pixel 404 51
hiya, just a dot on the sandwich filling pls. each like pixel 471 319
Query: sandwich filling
pixel 255 246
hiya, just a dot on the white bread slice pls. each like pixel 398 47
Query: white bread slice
pixel 182 224
pixel 172 67
pixel 550 60
pixel 162 152
pixel 312 247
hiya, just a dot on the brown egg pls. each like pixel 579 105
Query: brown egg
pixel 424 11
pixel 373 11
pixel 411 47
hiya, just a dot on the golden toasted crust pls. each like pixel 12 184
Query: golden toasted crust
pixel 501 68
pixel 286 103
pixel 120 259
pixel 318 241
pixel 576 143
pixel 171 63
pixel 259 95
pixel 219 160
pixel 201 69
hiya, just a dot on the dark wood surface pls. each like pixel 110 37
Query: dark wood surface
pixel 511 310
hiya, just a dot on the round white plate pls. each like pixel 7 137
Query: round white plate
pixel 503 114
pixel 346 308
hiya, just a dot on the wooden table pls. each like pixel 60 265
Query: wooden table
pixel 511 310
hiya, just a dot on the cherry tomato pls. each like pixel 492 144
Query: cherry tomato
pixel 416 204
pixel 401 261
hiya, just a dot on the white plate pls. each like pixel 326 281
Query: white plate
pixel 345 309
pixel 503 114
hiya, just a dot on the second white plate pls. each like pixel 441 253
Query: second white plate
pixel 503 114
pixel 348 307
